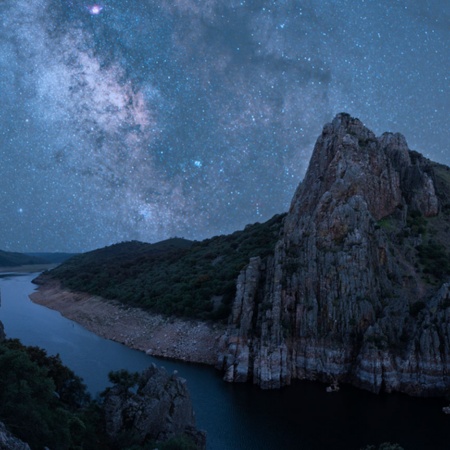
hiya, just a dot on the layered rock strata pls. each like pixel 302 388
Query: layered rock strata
pixel 342 298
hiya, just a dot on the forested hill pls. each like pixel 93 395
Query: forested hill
pixel 12 259
pixel 52 258
pixel 175 277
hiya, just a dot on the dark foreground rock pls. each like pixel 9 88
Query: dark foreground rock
pixel 357 289
pixel 9 442
pixel 158 409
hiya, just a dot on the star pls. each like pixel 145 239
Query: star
pixel 95 9
pixel 125 127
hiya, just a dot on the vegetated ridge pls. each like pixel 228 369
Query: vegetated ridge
pixel 12 259
pixel 52 258
pixel 352 285
pixel 174 277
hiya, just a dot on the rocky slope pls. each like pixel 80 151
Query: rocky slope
pixel 357 289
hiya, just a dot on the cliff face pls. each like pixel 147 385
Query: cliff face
pixel 349 294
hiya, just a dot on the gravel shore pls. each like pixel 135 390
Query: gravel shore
pixel 186 340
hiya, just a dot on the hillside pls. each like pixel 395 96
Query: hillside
pixel 174 277
pixel 52 258
pixel 12 259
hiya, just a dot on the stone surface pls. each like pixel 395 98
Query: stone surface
pixel 341 298
pixel 9 442
pixel 159 409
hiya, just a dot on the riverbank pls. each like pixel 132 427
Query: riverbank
pixel 185 340
pixel 30 268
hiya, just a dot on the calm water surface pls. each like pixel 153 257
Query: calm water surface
pixel 301 417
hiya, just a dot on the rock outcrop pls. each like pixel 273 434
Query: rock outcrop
pixel 347 295
pixel 159 409
pixel 9 442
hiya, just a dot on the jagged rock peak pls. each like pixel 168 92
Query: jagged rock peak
pixel 346 295
pixel 349 160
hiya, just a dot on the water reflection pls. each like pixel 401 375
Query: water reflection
pixel 244 417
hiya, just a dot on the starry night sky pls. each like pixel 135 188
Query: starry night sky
pixel 148 119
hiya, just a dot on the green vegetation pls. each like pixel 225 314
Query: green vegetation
pixel 417 223
pixel 388 224
pixel 432 255
pixel 43 402
pixel 173 277
pixel 434 258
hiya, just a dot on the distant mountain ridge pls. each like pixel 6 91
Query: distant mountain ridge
pixel 174 277
pixel 11 259
pixel 14 259
pixel 53 258
pixel 352 285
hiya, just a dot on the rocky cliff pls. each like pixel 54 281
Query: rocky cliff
pixel 357 289
pixel 158 409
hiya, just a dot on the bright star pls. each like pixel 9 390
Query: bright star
pixel 95 9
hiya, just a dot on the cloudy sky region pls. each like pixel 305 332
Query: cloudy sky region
pixel 146 119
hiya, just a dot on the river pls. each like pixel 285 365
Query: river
pixel 235 417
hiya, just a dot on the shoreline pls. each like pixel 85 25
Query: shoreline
pixel 181 339
pixel 28 268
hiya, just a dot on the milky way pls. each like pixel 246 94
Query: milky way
pixel 149 119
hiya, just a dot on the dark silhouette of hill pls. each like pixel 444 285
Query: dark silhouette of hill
pixel 12 259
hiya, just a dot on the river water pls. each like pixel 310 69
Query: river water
pixel 235 417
